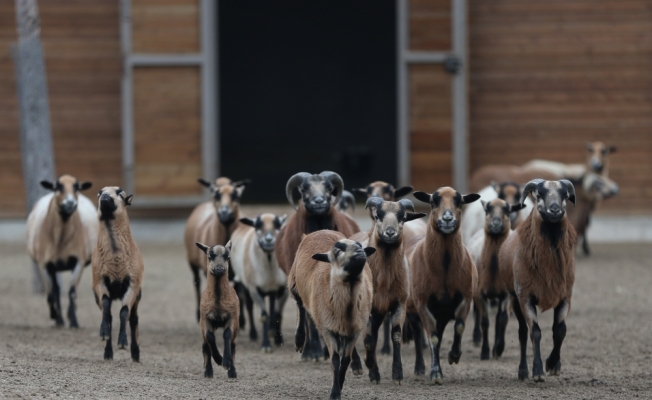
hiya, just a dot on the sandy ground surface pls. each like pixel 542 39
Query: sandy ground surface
pixel 607 352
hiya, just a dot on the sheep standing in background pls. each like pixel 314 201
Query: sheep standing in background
pixel 537 265
pixel 117 268
pixel 319 194
pixel 484 247
pixel 219 308
pixel 391 277
pixel 61 235
pixel 214 222
pixel 332 282
pixel 254 265
pixel 346 201
pixel 444 278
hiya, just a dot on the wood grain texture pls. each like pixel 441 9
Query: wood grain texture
pixel 165 26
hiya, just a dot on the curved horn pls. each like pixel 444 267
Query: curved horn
pixel 293 182
pixel 373 201
pixel 337 181
pixel 348 199
pixel 570 188
pixel 407 203
pixel 529 188
pixel 243 182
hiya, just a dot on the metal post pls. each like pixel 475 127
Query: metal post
pixel 210 131
pixel 403 94
pixel 127 99
pixel 460 99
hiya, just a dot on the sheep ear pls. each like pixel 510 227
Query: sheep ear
pixel 484 204
pixel 361 192
pixel 589 146
pixel 84 186
pixel 323 257
pixel 283 218
pixel 243 182
pixel 403 191
pixel 128 199
pixel 47 185
pixel 495 186
pixel 570 190
pixel 516 207
pixel 204 182
pixel 247 221
pixel 422 196
pixel 413 216
pixel 369 251
pixel 470 198
pixel 612 149
pixel 202 247
pixel 228 246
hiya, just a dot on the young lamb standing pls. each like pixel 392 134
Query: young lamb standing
pixel 254 265
pixel 61 235
pixel 332 282
pixel 537 265
pixel 443 276
pixel 219 308
pixel 391 277
pixel 117 269
pixel 484 247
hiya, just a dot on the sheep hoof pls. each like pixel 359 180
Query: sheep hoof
pixel 227 363
pixel 454 358
pixel 208 373
pixel 266 349
pixel 553 369
pixel 357 372
pixel 436 377
pixel 386 349
pixel 539 378
pixel 497 351
pixel 484 355
pixel 122 341
pixel 108 354
pixel 278 340
pixel 232 373
pixel 59 323
pixel 374 375
pixel 253 335
pixel 523 373
pixel 397 382
pixel 74 325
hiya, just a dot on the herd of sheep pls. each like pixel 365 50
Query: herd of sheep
pixel 514 248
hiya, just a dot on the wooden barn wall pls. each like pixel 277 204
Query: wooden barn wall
pixel 430 96
pixel 548 76
pixel 81 41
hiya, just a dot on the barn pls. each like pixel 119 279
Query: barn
pixel 151 95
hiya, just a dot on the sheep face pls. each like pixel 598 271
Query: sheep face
pixel 112 202
pixel 446 204
pixel 550 197
pixel 598 153
pixel 599 187
pixel 226 199
pixel 390 216
pixel 384 190
pixel 218 258
pixel 318 192
pixel 511 193
pixel 347 258
pixel 497 220
pixel 66 188
pixel 267 227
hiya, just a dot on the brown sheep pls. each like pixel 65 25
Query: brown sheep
pixel 213 222
pixel 391 277
pixel 219 308
pixel 443 276
pixel 331 281
pixel 319 194
pixel 117 268
pixel 484 247
pixel 487 174
pixel 537 265
pixel 61 235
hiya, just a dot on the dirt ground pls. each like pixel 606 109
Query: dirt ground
pixel 607 352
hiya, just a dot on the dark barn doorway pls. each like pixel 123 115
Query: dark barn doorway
pixel 306 86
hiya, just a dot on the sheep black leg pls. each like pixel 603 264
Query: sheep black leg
pixel 72 315
pixel 397 364
pixel 272 315
pixel 348 347
pixel 197 282
pixel 336 391
pixel 436 374
pixel 585 245
pixel 133 325
pixel 522 338
pixel 417 332
pixel 209 337
pixel 208 364
pixel 535 336
pixel 282 296
pixel 227 360
pixel 386 349
pixel 122 333
pixel 105 328
pixel 356 363
pixel 553 363
pixel 480 307
pixel 265 318
pixel 253 333
pixel 315 351
pixel 54 298
pixel 232 372
pixel 370 342
pixel 300 335
pixel 477 333
pixel 501 326
pixel 240 291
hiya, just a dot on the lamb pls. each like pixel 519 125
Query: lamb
pixel 213 222
pixel 254 265
pixel 318 194
pixel 484 247
pixel 219 308
pixel 61 235
pixel 537 266
pixel 117 268
pixel 391 277
pixel 444 278
pixel 331 281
